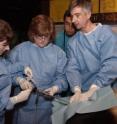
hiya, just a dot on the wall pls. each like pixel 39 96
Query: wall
pixel 57 9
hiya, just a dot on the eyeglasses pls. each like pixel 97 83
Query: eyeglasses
pixel 42 37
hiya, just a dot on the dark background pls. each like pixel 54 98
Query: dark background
pixel 20 12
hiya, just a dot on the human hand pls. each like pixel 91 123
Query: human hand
pixel 52 90
pixel 28 72
pixel 115 91
pixel 85 96
pixel 75 97
pixel 22 96
pixel 24 84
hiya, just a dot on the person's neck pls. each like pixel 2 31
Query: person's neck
pixel 88 27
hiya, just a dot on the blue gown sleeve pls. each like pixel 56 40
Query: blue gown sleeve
pixel 13 55
pixel 5 86
pixel 108 56
pixel 60 78
pixel 10 105
pixel 16 70
pixel 73 69
pixel 15 67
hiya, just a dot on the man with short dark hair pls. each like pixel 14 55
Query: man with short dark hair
pixel 69 30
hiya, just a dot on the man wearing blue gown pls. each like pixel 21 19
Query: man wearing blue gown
pixel 48 63
pixel 92 60
pixel 8 73
pixel 91 68
pixel 92 53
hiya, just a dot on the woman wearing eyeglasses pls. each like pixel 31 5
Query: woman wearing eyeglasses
pixel 48 63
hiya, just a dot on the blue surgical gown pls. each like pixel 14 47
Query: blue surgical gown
pixel 8 73
pixel 92 58
pixel 48 67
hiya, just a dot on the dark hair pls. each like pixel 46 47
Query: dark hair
pixel 87 4
pixel 66 14
pixel 6 31
pixel 41 25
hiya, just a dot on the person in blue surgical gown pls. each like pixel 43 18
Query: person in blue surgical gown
pixel 92 53
pixel 8 73
pixel 48 63
pixel 91 69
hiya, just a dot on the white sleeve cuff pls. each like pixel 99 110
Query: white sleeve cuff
pixel 94 86
pixel 56 88
pixel 76 89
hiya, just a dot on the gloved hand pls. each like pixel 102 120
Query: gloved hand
pixel 28 72
pixel 22 96
pixel 76 96
pixel 24 84
pixel 85 96
pixel 115 91
pixel 52 90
